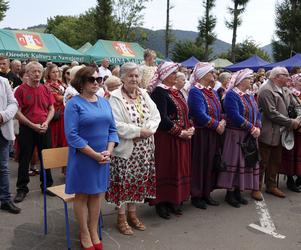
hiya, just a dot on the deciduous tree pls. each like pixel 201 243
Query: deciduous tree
pixel 4 6
pixel 185 49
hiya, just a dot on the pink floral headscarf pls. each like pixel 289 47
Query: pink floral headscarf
pixel 162 72
pixel 238 76
pixel 296 78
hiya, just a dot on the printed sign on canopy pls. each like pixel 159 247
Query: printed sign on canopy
pixel 30 41
pixel 123 49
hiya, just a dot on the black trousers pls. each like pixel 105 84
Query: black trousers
pixel 28 139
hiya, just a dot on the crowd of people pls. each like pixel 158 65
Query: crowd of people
pixel 150 134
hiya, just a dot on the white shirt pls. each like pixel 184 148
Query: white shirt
pixel 104 72
pixel 69 93
pixel 8 109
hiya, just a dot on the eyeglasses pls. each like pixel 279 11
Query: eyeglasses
pixel 93 79
pixel 285 75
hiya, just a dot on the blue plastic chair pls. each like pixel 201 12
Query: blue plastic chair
pixel 57 158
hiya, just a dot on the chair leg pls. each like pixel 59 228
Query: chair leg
pixel 67 226
pixel 45 203
pixel 100 225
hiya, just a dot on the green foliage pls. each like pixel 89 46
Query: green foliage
pixel 184 50
pixel 73 30
pixel 127 15
pixel 288 29
pixel 3 8
pixel 104 20
pixel 206 36
pixel 236 11
pixel 100 23
pixel 87 27
pixel 245 50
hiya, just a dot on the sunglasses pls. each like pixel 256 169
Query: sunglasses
pixel 92 79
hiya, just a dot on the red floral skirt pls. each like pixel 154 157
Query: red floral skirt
pixel 133 180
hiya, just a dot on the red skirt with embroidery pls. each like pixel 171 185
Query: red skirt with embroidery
pixel 291 159
pixel 58 131
pixel 173 168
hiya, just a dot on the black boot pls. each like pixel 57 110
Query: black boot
pixel 198 202
pixel 291 185
pixel 175 209
pixel 298 181
pixel 162 211
pixel 230 198
pixel 239 198
pixel 211 202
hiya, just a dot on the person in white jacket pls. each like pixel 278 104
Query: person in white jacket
pixel 133 177
pixel 8 109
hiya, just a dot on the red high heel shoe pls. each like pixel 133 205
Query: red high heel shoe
pixel 98 246
pixel 85 248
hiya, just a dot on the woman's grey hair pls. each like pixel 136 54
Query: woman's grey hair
pixel 127 67
pixel 224 76
pixel 180 74
pixel 32 64
pixel 276 71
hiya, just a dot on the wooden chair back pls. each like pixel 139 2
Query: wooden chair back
pixel 55 157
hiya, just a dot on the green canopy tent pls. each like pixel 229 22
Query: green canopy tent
pixel 21 45
pixel 116 51
pixel 85 47
pixel 221 63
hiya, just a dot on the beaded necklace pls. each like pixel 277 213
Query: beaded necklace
pixel 137 103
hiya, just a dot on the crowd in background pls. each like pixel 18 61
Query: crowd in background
pixel 157 134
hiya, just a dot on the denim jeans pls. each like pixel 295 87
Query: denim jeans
pixel 4 173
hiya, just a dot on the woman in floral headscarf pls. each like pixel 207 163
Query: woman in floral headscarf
pixel 291 159
pixel 205 110
pixel 243 119
pixel 172 143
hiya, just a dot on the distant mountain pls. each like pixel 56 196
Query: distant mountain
pixel 37 28
pixel 156 40
pixel 269 50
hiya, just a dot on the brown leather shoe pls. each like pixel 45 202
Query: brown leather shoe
pixel 277 192
pixel 257 195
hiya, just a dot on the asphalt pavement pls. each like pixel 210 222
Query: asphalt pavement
pixel 217 228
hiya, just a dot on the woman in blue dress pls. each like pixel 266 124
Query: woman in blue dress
pixel 91 135
pixel 243 120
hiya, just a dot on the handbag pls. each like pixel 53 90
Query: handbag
pixel 250 151
pixel 294 108
pixel 218 165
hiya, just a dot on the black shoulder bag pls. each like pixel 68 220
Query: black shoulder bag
pixel 250 151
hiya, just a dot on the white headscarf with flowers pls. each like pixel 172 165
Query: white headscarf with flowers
pixel 199 71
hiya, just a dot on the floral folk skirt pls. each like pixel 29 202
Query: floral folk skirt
pixel 133 180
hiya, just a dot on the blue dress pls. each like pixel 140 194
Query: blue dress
pixel 88 123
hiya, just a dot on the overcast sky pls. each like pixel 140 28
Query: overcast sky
pixel 258 20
